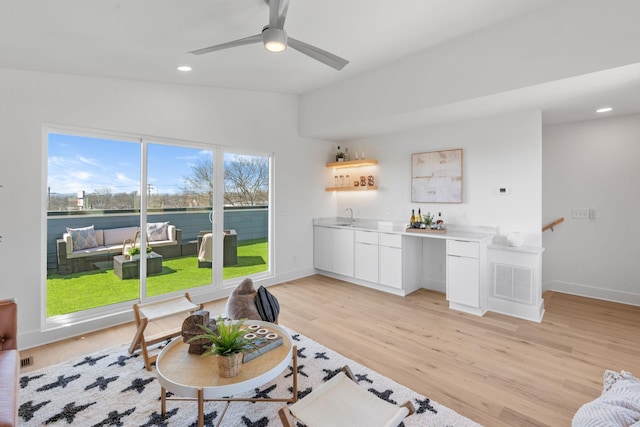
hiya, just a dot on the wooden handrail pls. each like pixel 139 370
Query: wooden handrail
pixel 553 224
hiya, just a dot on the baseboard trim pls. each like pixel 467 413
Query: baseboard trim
pixel 515 309
pixel 593 292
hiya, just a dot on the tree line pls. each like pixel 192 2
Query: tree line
pixel 246 183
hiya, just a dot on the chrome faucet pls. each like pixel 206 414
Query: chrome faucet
pixel 351 211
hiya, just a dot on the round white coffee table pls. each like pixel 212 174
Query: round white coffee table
pixel 192 376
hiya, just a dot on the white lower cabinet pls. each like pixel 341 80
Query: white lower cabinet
pixel 366 256
pixel 463 286
pixel 391 260
pixel 343 251
pixel 323 248
pixel 466 276
pixel 333 250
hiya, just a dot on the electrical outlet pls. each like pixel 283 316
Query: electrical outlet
pixel 580 213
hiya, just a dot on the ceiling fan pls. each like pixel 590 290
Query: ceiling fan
pixel 275 39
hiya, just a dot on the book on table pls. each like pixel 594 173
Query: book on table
pixel 261 345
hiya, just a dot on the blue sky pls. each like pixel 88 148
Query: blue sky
pixel 79 163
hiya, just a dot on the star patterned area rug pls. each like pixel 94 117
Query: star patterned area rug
pixel 112 388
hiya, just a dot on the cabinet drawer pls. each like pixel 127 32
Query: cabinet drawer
pixel 463 248
pixel 366 237
pixel 393 240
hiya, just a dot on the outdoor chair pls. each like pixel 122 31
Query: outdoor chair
pixel 342 402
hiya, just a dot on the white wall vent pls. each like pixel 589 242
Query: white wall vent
pixel 513 283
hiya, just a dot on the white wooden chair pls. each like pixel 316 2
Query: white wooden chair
pixel 148 312
pixel 342 402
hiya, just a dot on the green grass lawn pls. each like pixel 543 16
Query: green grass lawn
pixel 81 291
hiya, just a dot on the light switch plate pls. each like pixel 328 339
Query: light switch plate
pixel 580 213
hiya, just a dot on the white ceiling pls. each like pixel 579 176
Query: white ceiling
pixel 147 39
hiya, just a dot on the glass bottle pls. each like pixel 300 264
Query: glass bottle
pixel 413 218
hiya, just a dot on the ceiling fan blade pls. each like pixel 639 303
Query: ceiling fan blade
pixel 247 40
pixel 274 10
pixel 316 53
pixel 277 13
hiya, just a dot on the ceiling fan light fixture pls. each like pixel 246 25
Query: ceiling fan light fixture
pixel 274 39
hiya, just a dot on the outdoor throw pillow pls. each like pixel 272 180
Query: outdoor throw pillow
pixel 241 303
pixel 267 305
pixel 83 238
pixel 157 231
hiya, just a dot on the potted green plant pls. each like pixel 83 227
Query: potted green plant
pixel 339 156
pixel 135 250
pixel 227 344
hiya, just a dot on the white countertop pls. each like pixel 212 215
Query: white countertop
pixel 477 234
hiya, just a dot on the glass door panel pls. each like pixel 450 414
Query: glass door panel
pixel 246 215
pixel 93 207
pixel 179 191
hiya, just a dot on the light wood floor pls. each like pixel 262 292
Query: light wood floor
pixel 496 370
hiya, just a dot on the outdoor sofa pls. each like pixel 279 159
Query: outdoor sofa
pixel 80 249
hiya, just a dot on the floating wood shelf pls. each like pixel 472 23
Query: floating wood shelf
pixel 352 163
pixel 352 188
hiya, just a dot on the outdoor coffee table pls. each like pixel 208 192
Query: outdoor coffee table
pixel 194 377
pixel 130 268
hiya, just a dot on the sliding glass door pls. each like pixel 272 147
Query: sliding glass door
pixel 131 219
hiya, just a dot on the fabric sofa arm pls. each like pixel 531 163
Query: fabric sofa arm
pixel 67 240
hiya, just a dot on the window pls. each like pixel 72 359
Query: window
pixel 133 218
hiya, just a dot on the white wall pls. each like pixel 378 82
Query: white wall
pixel 566 39
pixel 502 151
pixel 247 120
pixel 593 165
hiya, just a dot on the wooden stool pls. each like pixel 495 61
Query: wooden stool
pixel 151 311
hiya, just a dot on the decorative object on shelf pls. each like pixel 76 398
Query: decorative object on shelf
pixel 370 181
pixel 339 155
pixel 424 222
pixel 348 183
pixel 227 343
pixel 515 239
pixel 191 327
pixel 439 222
pixel 436 177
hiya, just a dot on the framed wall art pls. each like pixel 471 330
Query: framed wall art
pixel 436 177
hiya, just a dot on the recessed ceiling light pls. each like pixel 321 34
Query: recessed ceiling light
pixel 184 68
pixel 604 110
